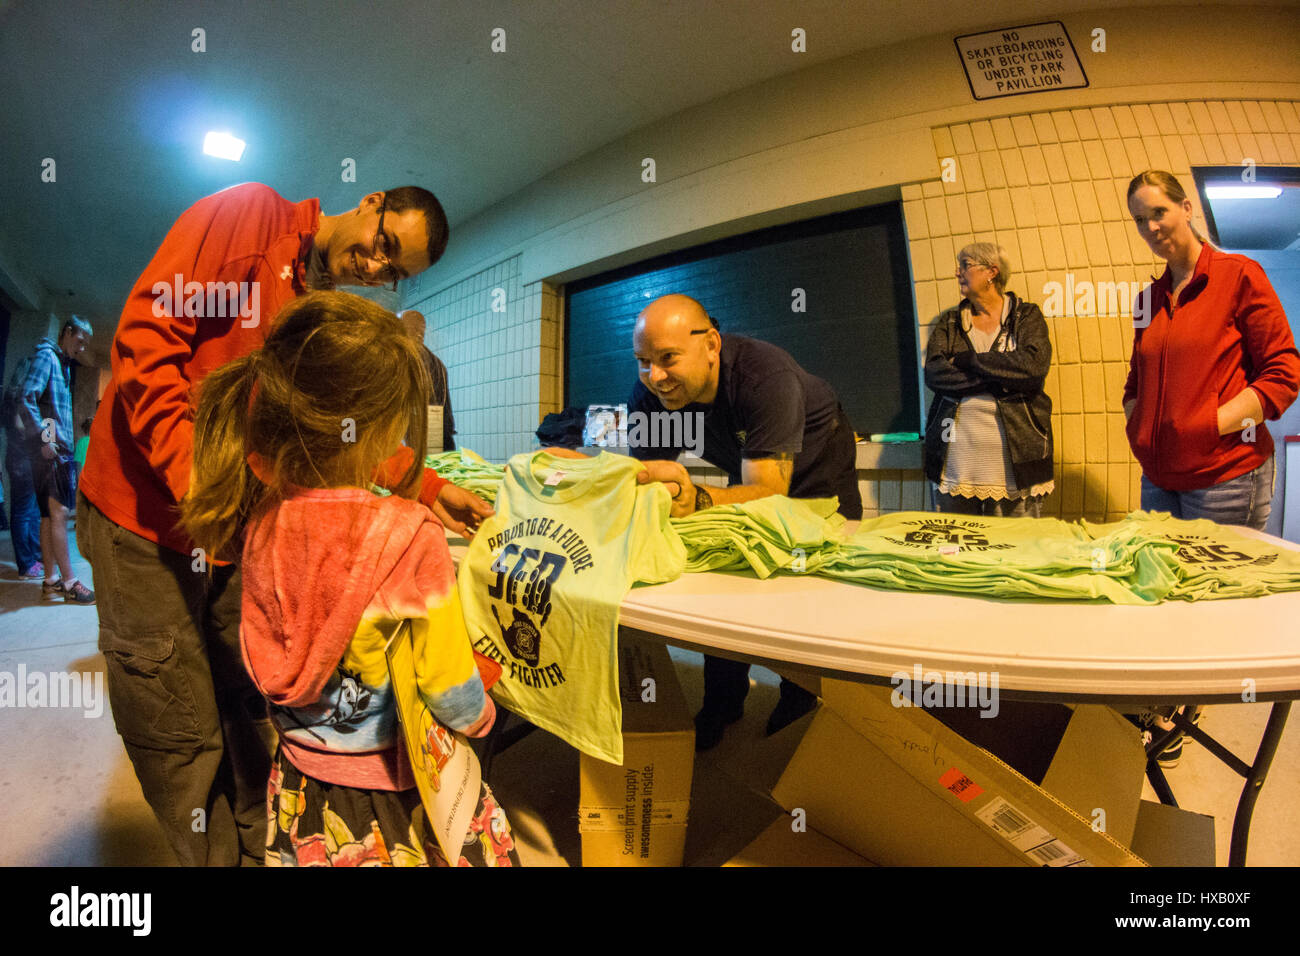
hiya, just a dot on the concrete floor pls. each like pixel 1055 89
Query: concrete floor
pixel 71 798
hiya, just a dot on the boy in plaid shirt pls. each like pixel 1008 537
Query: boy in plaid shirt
pixel 45 412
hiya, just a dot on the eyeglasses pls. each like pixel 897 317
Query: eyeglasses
pixel 965 265
pixel 380 251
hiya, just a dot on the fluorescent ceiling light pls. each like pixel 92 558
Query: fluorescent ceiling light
pixel 223 146
pixel 1243 192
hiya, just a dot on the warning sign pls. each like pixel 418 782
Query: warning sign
pixel 1028 59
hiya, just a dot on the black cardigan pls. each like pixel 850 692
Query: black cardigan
pixel 1015 378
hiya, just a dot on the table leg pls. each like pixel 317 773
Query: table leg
pixel 1255 782
pixel 1159 784
pixel 1254 773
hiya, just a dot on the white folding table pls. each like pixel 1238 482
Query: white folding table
pixel 1177 652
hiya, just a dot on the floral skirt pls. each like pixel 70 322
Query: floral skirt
pixel 313 823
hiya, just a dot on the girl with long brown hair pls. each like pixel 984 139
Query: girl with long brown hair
pixel 286 442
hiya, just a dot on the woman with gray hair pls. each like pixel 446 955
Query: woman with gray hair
pixel 988 438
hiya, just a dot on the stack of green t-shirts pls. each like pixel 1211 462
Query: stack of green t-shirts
pixel 1210 560
pixel 1004 557
pixel 764 535
pixel 467 470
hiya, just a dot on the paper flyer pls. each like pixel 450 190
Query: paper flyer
pixel 446 770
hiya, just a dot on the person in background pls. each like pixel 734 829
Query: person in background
pixel 169 628
pixel 1213 356
pixel 988 437
pixel 440 390
pixel 328 568
pixel 45 408
pixel 83 443
pixel 24 513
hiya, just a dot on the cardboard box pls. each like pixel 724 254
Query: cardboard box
pixel 779 845
pixel 899 787
pixel 635 814
pixel 1168 836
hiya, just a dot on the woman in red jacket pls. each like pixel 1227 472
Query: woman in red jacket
pixel 1213 356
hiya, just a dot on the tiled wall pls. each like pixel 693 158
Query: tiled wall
pixel 502 365
pixel 1050 188
pixel 550 306
pixel 888 490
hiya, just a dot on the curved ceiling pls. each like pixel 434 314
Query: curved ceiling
pixel 411 91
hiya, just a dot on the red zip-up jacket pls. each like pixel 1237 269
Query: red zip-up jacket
pixel 141 446
pixel 1226 332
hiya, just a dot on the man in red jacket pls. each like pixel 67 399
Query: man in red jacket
pixel 168 613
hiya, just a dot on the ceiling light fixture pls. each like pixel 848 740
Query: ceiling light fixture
pixel 1243 192
pixel 223 146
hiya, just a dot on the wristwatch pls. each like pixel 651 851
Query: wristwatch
pixel 702 499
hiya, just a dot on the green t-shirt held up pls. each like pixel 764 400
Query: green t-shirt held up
pixel 543 580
